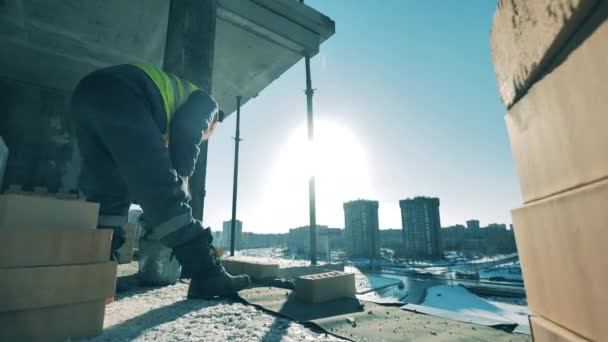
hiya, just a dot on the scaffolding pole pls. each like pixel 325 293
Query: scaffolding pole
pixel 311 180
pixel 237 140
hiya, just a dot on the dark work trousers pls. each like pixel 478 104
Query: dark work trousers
pixel 124 158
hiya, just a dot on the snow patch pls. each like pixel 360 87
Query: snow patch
pixel 164 314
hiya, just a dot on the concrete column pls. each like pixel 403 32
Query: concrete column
pixel 189 54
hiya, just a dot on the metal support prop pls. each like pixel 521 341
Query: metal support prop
pixel 237 140
pixel 311 181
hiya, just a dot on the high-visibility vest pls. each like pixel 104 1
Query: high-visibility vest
pixel 173 90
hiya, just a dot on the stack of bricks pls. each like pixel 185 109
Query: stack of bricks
pixel 551 63
pixel 55 275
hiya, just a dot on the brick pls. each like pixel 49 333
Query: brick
pixel 526 35
pixel 562 248
pixel 544 330
pixel 28 248
pixel 558 130
pixel 256 270
pixel 39 287
pixel 57 323
pixel 20 211
pixel 323 287
pixel 126 251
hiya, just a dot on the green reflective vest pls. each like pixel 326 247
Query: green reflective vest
pixel 173 90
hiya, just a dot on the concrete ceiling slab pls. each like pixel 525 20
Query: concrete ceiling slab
pixel 54 43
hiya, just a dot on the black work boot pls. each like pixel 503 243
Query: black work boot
pixel 199 259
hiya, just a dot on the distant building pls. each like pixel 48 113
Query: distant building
pixel 497 226
pixel 491 240
pixel 335 237
pixel 226 234
pixel 391 238
pixel 298 240
pixel 473 224
pixel 421 227
pixel 254 240
pixel 361 229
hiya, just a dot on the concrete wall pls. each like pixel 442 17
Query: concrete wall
pixel 47 46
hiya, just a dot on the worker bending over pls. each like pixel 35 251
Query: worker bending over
pixel 139 131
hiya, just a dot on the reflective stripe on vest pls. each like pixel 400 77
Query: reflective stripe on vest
pixel 173 90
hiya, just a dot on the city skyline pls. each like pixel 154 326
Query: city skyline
pixel 397 115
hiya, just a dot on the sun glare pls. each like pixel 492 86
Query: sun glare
pixel 338 161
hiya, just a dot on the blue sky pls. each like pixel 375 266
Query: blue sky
pixel 409 88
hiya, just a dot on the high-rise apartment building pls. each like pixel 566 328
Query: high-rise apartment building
pixel 421 227
pixel 361 229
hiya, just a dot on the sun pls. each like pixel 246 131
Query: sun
pixel 338 161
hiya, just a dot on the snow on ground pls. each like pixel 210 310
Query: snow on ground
pixel 486 259
pixel 436 270
pixel 368 283
pixel 365 283
pixel 515 313
pixel 273 256
pixel 163 314
pixel 460 300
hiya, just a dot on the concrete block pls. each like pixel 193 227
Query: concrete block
pixel 526 35
pixel 323 287
pixel 57 323
pixel 126 251
pixel 21 211
pixel 558 130
pixel 562 248
pixel 40 287
pixel 156 266
pixel 544 330
pixel 29 248
pixel 294 272
pixel 256 270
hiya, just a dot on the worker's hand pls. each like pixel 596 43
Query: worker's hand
pixel 211 125
pixel 192 123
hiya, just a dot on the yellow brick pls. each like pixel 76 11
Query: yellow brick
pixel 323 287
pixel 562 247
pixel 558 130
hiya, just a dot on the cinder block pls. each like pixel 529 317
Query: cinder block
pixel 256 270
pixel 562 247
pixel 323 287
pixel 57 323
pixel 558 130
pixel 20 211
pixel 232 266
pixel 126 251
pixel 526 35
pixel 544 330
pixel 39 287
pixel 28 248
pixel 157 266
